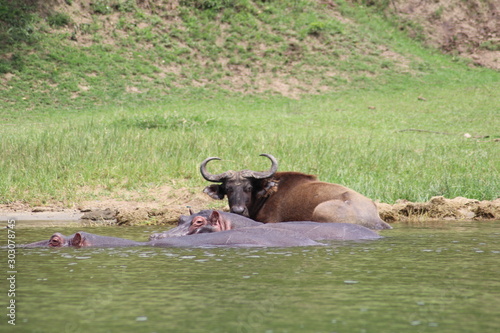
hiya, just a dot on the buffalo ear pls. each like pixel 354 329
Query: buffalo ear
pixel 215 191
pixel 268 187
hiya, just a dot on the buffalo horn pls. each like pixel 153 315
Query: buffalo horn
pixel 208 176
pixel 266 174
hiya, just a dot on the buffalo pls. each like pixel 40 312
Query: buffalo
pixel 272 196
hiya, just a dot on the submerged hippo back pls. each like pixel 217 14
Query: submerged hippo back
pixel 243 237
pixel 327 231
pixel 85 239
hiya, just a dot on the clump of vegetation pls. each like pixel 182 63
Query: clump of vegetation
pixel 490 45
pixel 11 64
pixel 105 7
pixel 18 23
pixel 58 19
pixel 167 121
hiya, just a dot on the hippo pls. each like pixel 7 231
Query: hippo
pixel 313 230
pixel 243 237
pixel 212 228
pixel 56 240
pixel 185 222
pixel 84 239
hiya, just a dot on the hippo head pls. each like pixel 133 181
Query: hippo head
pixel 215 222
pixel 58 240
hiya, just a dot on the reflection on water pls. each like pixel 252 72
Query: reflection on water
pixel 420 278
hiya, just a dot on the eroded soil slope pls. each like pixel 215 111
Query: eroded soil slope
pixel 467 28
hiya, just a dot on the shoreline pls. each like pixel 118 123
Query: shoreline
pixel 112 212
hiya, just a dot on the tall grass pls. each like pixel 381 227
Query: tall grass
pixel 353 139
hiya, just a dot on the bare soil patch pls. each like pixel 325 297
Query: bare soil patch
pixel 162 205
pixel 165 204
pixel 440 208
pixel 467 28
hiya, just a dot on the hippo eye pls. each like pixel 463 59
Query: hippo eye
pixel 54 243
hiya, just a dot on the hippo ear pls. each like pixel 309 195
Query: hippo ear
pixel 215 192
pixel 220 222
pixel 78 240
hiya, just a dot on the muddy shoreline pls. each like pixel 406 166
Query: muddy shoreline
pixel 109 212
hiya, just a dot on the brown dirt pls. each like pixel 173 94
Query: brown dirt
pixel 165 204
pixel 160 205
pixel 440 208
pixel 467 28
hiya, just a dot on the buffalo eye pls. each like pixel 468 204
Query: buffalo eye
pixel 248 188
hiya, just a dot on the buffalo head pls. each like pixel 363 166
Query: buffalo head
pixel 241 187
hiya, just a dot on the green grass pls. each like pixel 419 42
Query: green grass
pixel 335 136
pixel 147 107
pixel 214 44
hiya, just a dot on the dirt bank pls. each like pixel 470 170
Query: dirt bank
pixel 440 208
pixel 168 204
pixel 470 28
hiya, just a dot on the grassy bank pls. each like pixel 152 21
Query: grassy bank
pixel 81 55
pixel 354 139
pixel 136 112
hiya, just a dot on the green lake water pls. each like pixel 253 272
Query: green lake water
pixel 428 277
